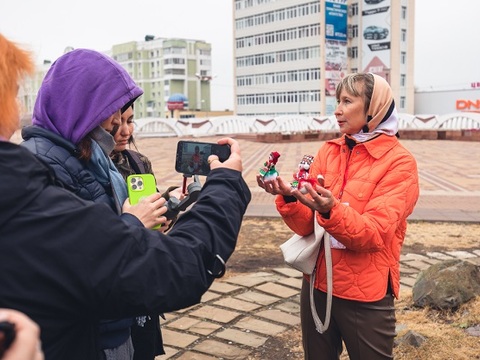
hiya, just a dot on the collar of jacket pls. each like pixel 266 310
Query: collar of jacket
pixel 376 147
pixel 37 131
pixel 104 139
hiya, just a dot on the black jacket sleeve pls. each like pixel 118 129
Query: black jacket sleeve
pixel 149 271
pixel 67 262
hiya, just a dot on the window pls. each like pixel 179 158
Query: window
pixel 402 102
pixel 354 31
pixel 404 12
pixel 402 80
pixel 353 9
pixel 403 57
pixel 353 52
pixel 404 35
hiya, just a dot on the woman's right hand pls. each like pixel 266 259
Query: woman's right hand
pixel 148 210
pixel 276 186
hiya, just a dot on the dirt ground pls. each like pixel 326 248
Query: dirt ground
pixel 259 240
pixel 258 248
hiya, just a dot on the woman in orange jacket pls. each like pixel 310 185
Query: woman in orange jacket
pixel 370 188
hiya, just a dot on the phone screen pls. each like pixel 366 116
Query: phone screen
pixel 192 156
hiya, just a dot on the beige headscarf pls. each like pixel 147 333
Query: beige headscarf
pixel 382 114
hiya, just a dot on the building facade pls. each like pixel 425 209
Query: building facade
pixel 449 101
pixel 290 54
pixel 162 67
pixel 27 92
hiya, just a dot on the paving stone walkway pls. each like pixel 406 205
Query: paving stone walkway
pixel 240 313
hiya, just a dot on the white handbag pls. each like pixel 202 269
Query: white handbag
pixel 301 253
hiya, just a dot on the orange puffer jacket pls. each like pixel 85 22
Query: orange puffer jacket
pixel 376 186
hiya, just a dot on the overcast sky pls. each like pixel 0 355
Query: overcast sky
pixel 447 53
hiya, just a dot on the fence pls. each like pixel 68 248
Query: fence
pixel 456 124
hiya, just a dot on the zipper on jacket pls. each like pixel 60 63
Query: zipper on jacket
pixel 345 175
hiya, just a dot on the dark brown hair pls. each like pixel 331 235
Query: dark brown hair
pixel 84 149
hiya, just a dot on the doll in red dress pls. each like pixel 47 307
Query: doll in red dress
pixel 268 171
pixel 302 176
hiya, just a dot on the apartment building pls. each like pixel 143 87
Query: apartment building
pixel 165 68
pixel 290 54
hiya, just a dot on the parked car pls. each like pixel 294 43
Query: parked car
pixel 375 33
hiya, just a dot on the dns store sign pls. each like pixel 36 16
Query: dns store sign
pixel 468 105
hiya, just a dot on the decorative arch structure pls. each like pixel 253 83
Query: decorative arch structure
pixel 158 127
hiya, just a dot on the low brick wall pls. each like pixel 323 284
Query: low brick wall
pixel 297 137
pixel 408 134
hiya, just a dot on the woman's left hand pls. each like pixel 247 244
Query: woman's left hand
pixel 318 199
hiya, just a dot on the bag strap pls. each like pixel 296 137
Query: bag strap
pixel 322 327
pixel 135 161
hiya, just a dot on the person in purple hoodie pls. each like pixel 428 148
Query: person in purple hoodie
pixel 78 105
pixel 67 262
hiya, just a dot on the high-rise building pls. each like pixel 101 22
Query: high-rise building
pixel 290 54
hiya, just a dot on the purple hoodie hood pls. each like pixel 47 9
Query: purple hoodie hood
pixel 82 89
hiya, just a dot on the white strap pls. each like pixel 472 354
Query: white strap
pixel 321 328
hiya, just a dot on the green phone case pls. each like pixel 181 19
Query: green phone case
pixel 140 186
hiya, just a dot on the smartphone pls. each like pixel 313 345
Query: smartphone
pixel 192 156
pixel 140 186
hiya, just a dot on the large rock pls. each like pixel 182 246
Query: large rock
pixel 447 284
pixel 411 338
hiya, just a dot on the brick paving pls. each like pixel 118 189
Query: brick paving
pixel 448 171
pixel 240 313
pixel 265 305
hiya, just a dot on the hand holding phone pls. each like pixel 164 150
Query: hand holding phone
pixel 141 186
pixel 7 335
pixel 19 336
pixel 192 156
pixel 234 161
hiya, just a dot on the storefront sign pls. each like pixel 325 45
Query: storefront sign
pixel 468 105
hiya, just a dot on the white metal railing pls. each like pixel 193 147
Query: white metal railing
pixel 164 127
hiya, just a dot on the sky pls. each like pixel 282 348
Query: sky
pixel 447 54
